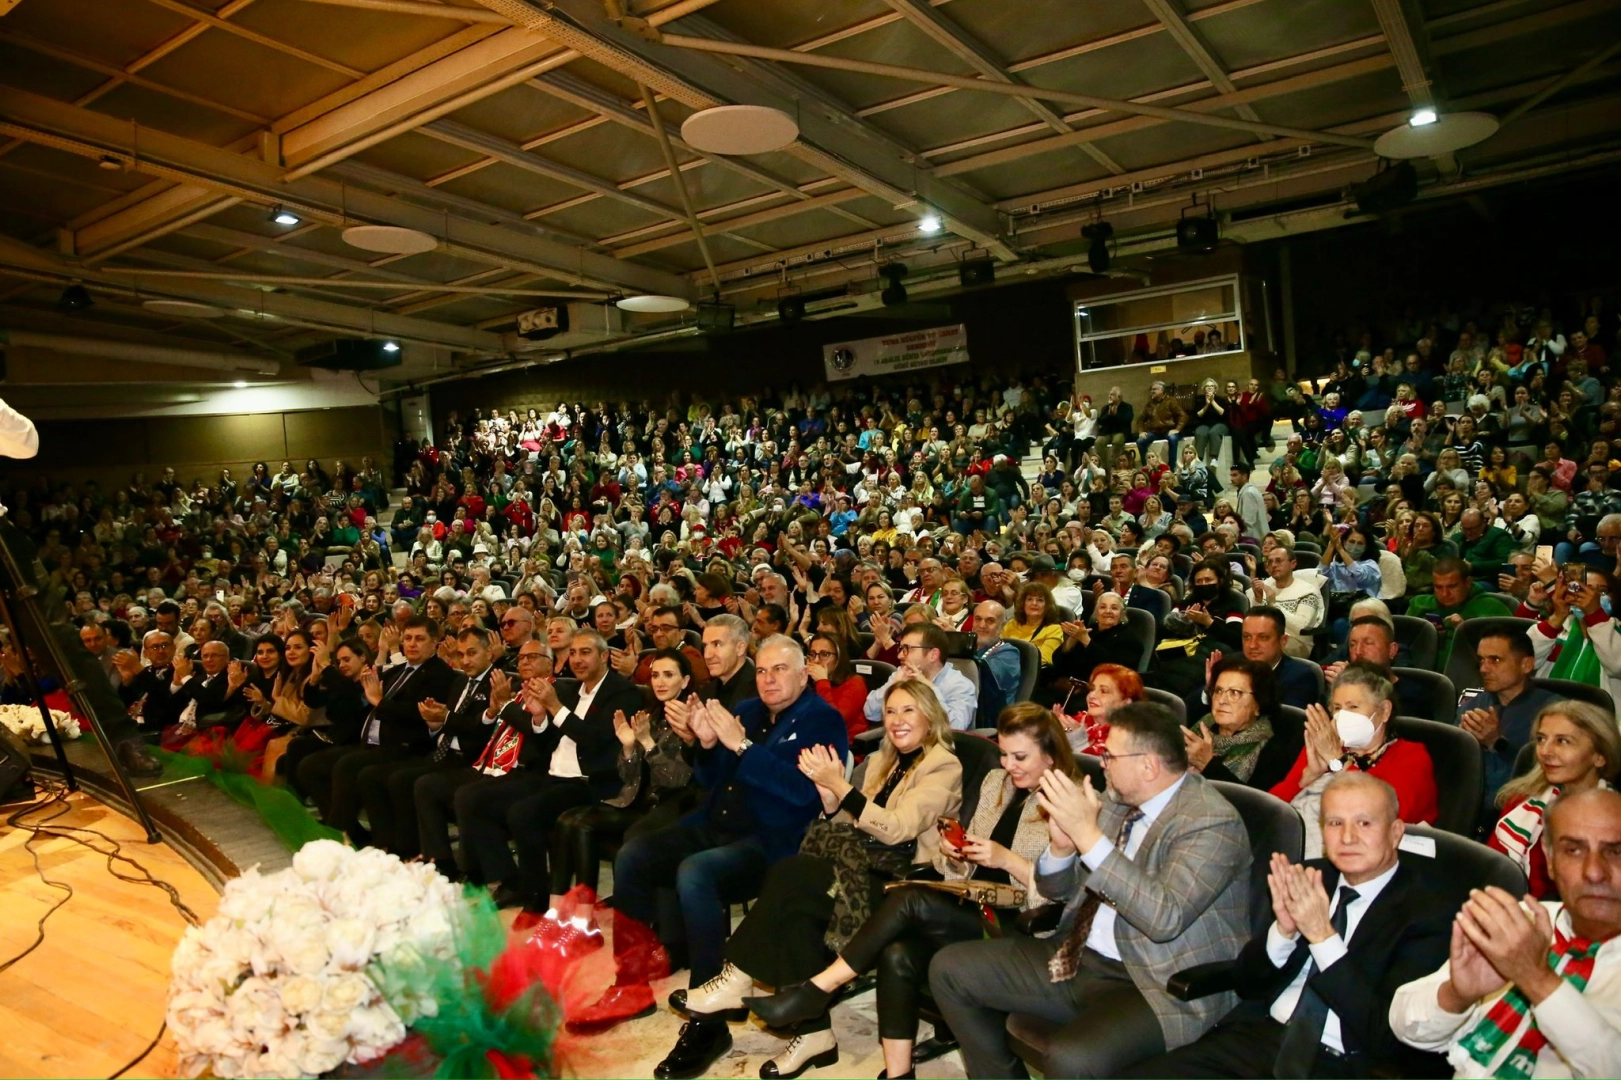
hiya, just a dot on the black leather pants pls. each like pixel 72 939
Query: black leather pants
pixel 900 938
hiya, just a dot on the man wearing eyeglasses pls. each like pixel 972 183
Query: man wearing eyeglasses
pixel 517 627
pixel 664 627
pixel 1155 875
pixel 921 654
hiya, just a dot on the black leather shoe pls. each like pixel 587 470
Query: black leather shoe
pixel 137 759
pixel 910 1074
pixel 790 1005
pixel 506 897
pixel 702 1043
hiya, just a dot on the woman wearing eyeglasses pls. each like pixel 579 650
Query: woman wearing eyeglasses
pixel 1244 739
pixel 827 662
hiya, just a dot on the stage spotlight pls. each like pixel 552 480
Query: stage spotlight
pixel 894 293
pixel 75 298
pixel 790 309
pixel 929 225
pixel 281 216
pixel 1097 255
pixel 1422 118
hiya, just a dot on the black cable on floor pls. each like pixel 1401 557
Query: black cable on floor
pixel 56 794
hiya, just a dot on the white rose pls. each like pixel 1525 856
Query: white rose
pixel 321 860
pixel 346 992
pixel 306 956
pixel 322 1056
pixel 300 994
pixel 351 942
pixel 328 1026
pixel 376 1030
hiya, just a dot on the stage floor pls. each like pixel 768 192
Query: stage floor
pixel 91 996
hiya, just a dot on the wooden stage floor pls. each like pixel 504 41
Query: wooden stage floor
pixel 91 996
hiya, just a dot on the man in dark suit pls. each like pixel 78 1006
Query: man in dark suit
pixel 576 740
pixel 512 744
pixel 201 693
pixel 1299 682
pixel 460 730
pixel 1349 930
pixel 393 730
pixel 151 687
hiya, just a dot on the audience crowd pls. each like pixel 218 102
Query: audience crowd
pixel 969 682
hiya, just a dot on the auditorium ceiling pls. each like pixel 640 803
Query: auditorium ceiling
pixel 196 165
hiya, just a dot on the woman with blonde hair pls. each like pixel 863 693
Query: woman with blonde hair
pixel 814 902
pixel 1577 748
pixel 1005 834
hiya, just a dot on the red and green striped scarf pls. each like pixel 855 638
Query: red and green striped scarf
pixel 1572 960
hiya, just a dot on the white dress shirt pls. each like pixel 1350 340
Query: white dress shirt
pixel 566 758
pixel 1324 954
pixel 1101 937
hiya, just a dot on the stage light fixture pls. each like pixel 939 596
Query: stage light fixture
pixel 894 293
pixel 282 216
pixel 929 225
pixel 75 298
pixel 1097 255
pixel 790 309
pixel 240 384
pixel 1422 118
pixel 391 346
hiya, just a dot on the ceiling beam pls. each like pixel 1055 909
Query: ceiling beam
pixel 977 55
pixel 209 19
pixel 419 7
pixel 238 174
pixel 698 82
pixel 1405 47
pixel 896 71
pixel 1189 40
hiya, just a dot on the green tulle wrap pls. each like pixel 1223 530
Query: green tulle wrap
pixel 288 818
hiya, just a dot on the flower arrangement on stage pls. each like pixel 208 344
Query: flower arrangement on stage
pixel 284 981
pixel 354 958
pixel 24 722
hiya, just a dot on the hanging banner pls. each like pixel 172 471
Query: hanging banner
pixel 893 353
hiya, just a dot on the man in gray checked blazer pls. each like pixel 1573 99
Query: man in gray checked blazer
pixel 1155 879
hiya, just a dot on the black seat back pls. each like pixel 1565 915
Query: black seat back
pixel 1459 774
pixel 1273 826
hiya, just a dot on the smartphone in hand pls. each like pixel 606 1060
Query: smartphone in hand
pixel 952 832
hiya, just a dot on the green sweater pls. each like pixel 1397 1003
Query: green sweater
pixel 1477 606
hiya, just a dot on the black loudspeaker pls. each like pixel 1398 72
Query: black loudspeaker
pixel 1197 234
pixel 1388 189
pixel 976 272
pixel 14 765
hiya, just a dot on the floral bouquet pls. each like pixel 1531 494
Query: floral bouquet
pixel 24 722
pixel 287 979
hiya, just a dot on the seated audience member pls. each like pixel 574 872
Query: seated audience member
pixel 1154 873
pixel 1356 736
pixel 1264 639
pixel 814 901
pixel 1453 600
pixel 922 655
pixel 999 664
pixel 664 630
pixel 1123 575
pixel 1005 832
pixel 575 730
pixel 1348 931
pixel 146 690
pixel 1245 739
pixel 1533 992
pixel 459 736
pixel 835 678
pixel 1500 713
pixel 1577 749
pixel 1102 639
pixel 1575 612
pixel 757 810
pixel 1036 620
pixel 512 744
pixel 1298 595
pixel 1111 686
pixel 1373 640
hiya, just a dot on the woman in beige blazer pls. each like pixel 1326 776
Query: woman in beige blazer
pixel 812 902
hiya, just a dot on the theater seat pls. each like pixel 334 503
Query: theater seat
pixel 1418 637
pixel 1577 691
pixel 1029 667
pixel 1460 776
pixel 1461 863
pixel 1439 694
pixel 1170 701
pixel 1144 629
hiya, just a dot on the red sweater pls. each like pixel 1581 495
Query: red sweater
pixel 850 698
pixel 1406 766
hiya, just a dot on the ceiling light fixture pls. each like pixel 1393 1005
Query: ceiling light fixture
pixel 185 309
pixel 739 129
pixel 75 298
pixel 1097 254
pixel 389 239
pixel 651 304
pixel 929 225
pixel 391 346
pixel 240 384
pixel 1441 135
pixel 1422 118
pixel 282 216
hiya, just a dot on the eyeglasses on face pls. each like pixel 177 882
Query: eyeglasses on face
pixel 1107 756
pixel 1230 693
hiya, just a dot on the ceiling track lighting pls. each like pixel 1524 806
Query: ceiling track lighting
pixel 280 215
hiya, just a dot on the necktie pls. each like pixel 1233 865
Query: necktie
pixel 442 748
pixel 374 732
pixel 1067 960
pixel 1303 1035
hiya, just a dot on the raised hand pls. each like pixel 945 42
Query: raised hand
pixel 182 669
pixel 1277 880
pixel 1201 746
pixel 1308 903
pixel 500 690
pixel 642 726
pixel 1470 976
pixel 623 730
pixel 433 713
pixel 371 684
pixel 1484 724
pixel 1322 743
pixel 1513 942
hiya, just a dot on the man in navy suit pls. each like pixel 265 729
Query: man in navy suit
pixel 1349 930
pixel 757 810
pixel 1299 681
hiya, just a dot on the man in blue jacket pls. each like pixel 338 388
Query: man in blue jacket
pixel 757 810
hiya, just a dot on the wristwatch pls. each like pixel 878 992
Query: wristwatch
pixel 1336 765
pixel 743 747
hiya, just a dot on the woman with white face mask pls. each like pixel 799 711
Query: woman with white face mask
pixel 1355 735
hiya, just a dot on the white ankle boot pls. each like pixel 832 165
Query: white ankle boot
pixel 812 1050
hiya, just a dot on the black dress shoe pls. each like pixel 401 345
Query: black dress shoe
pixel 137 759
pixel 790 1005
pixel 909 1074
pixel 506 896
pixel 702 1043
